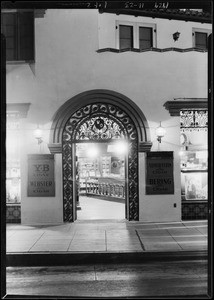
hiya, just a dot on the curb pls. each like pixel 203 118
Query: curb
pixel 65 259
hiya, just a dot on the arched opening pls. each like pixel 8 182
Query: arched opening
pixel 102 123
pixel 103 117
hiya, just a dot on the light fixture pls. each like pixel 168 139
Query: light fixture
pixel 160 132
pixel 120 147
pixel 176 35
pixel 92 151
pixel 38 135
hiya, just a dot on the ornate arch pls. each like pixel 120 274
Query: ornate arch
pixel 79 111
pixel 100 122
pixel 99 96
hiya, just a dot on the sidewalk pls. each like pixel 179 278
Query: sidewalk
pixel 104 238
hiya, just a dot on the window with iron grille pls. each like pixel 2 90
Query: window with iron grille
pixel 18 29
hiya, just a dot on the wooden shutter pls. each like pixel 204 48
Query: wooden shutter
pixel 26 36
pixel 126 36
pixel 201 40
pixel 9 30
pixel 18 29
pixel 145 37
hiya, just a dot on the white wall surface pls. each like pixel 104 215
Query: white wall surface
pixel 160 208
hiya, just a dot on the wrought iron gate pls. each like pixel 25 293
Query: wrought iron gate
pixel 99 122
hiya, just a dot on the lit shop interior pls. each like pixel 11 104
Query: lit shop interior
pixel 100 179
pixel 194 162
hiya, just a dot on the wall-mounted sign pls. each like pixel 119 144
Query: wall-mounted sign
pixel 159 173
pixel 41 175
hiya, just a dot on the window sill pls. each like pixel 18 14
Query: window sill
pixel 194 171
pixel 20 62
pixel 151 49
pixel 195 201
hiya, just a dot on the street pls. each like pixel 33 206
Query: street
pixel 152 278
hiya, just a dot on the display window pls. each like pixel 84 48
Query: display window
pixel 194 160
pixel 194 155
pixel 194 186
pixel 13 178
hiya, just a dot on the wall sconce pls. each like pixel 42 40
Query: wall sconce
pixel 176 35
pixel 38 135
pixel 160 132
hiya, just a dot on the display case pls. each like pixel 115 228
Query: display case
pixel 13 182
pixel 194 175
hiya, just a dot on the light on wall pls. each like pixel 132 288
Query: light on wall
pixel 160 133
pixel 176 35
pixel 38 135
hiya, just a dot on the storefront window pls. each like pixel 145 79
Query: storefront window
pixel 194 186
pixel 194 155
pixel 13 181
pixel 194 160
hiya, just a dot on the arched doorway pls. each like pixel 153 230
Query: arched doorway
pixel 71 125
pixel 99 122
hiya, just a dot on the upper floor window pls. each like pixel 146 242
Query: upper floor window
pixel 18 29
pixel 126 36
pixel 200 38
pixel 145 37
pixel 135 35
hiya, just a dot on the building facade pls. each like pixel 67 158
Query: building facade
pixel 78 77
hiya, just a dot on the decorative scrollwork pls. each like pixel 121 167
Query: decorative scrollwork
pixel 99 121
pixel 194 119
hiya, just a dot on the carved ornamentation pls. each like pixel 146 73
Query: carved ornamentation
pixel 194 119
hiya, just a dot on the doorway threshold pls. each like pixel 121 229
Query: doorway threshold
pixel 101 221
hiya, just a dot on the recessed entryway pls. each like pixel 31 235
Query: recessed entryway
pixel 101 180
pixel 98 116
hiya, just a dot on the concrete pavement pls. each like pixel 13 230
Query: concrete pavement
pixel 100 240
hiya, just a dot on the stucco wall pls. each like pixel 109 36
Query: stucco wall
pixel 67 63
pixel 160 208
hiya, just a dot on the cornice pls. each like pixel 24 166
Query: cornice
pixel 153 49
pixel 176 105
pixel 19 108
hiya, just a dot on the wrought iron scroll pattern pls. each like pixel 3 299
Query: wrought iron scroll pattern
pixel 86 116
pixel 194 119
pixel 133 181
pixel 67 181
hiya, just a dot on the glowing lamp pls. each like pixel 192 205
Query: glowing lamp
pixel 121 147
pixel 160 133
pixel 38 135
pixel 92 151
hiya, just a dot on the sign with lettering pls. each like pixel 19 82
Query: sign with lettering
pixel 41 175
pixel 159 173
